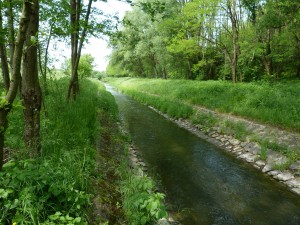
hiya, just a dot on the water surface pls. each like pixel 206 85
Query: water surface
pixel 202 182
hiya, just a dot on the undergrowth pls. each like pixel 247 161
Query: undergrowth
pixel 142 205
pixel 54 188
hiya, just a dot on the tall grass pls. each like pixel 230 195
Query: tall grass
pixel 276 104
pixel 55 188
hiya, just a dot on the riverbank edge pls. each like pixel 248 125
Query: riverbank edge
pixel 270 162
pixel 249 152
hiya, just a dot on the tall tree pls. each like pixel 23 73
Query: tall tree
pixel 3 53
pixel 8 99
pixel 77 42
pixel 30 88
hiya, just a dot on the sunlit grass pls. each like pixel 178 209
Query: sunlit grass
pixel 276 104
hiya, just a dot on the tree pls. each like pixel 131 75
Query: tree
pixel 3 54
pixel 30 88
pixel 8 99
pixel 77 42
pixel 210 39
pixel 86 65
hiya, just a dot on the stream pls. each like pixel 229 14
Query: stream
pixel 204 184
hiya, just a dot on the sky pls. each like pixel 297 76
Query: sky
pixel 98 48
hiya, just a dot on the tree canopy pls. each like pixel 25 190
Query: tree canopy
pixel 240 40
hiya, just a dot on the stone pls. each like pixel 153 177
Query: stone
pixel 243 144
pixel 234 141
pixel 227 143
pixel 267 168
pixel 142 164
pixel 274 158
pixel 237 149
pixel 285 176
pixel 296 190
pixel 237 153
pixel 256 167
pixel 295 166
pixel 260 163
pixel 133 159
pixel 273 172
pixel 251 159
pixel 163 221
pixel 252 148
pixel 293 183
pixel 248 157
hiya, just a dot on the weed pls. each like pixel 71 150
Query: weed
pixel 205 119
pixel 282 166
pixel 142 205
pixel 263 153
pixel 237 129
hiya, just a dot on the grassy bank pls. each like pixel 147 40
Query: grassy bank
pixel 55 188
pixel 275 104
pixel 82 175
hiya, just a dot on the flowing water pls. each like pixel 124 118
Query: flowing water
pixel 202 182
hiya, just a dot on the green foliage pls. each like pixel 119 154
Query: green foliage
pixel 31 190
pixel 141 204
pixel 193 40
pixel 85 66
pixel 55 188
pixel 276 104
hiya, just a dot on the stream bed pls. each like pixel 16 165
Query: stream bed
pixel 204 184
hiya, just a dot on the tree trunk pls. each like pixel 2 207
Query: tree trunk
pixel 16 75
pixel 235 44
pixel 76 50
pixel 11 30
pixel 165 75
pixel 31 91
pixel 4 63
pixel 267 59
pixel 43 67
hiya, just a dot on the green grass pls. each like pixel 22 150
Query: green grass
pixel 56 187
pixel 276 104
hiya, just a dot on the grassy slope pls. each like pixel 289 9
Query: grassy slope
pixel 276 104
pixel 56 188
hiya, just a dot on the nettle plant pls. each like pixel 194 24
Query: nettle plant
pixel 33 192
pixel 141 204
